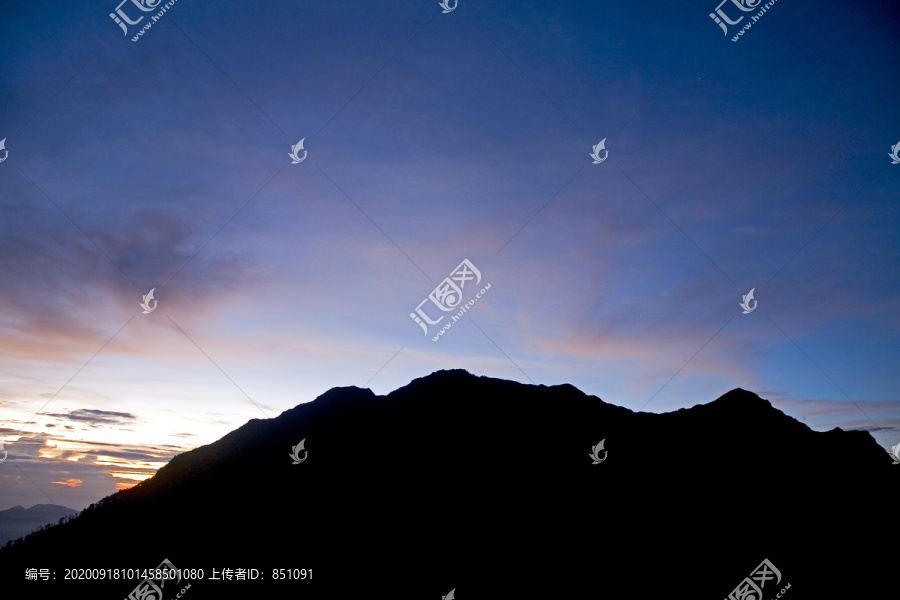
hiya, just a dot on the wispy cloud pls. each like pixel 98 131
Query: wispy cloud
pixel 97 418
pixel 72 483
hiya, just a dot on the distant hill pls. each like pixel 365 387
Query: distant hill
pixel 18 521
pixel 487 487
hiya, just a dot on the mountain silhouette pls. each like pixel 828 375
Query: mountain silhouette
pixel 487 487
pixel 18 520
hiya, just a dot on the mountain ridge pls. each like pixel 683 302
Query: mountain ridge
pixel 461 477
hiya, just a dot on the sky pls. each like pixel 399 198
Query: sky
pixel 432 138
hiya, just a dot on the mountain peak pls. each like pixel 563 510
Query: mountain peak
pixel 741 401
pixel 458 476
pixel 740 395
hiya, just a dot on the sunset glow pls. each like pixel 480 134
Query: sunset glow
pixel 621 182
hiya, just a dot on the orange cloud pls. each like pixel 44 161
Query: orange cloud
pixel 128 463
pixel 125 486
pixel 134 476
pixel 68 482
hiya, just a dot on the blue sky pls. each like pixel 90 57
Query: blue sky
pixel 433 138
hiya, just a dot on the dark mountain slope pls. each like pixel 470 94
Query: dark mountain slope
pixel 486 486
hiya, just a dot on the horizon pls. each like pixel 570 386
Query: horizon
pixel 475 375
pixel 583 194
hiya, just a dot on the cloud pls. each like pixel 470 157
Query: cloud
pixel 872 428
pixel 86 468
pixel 97 418
pixel 129 475
pixel 69 287
pixel 73 483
